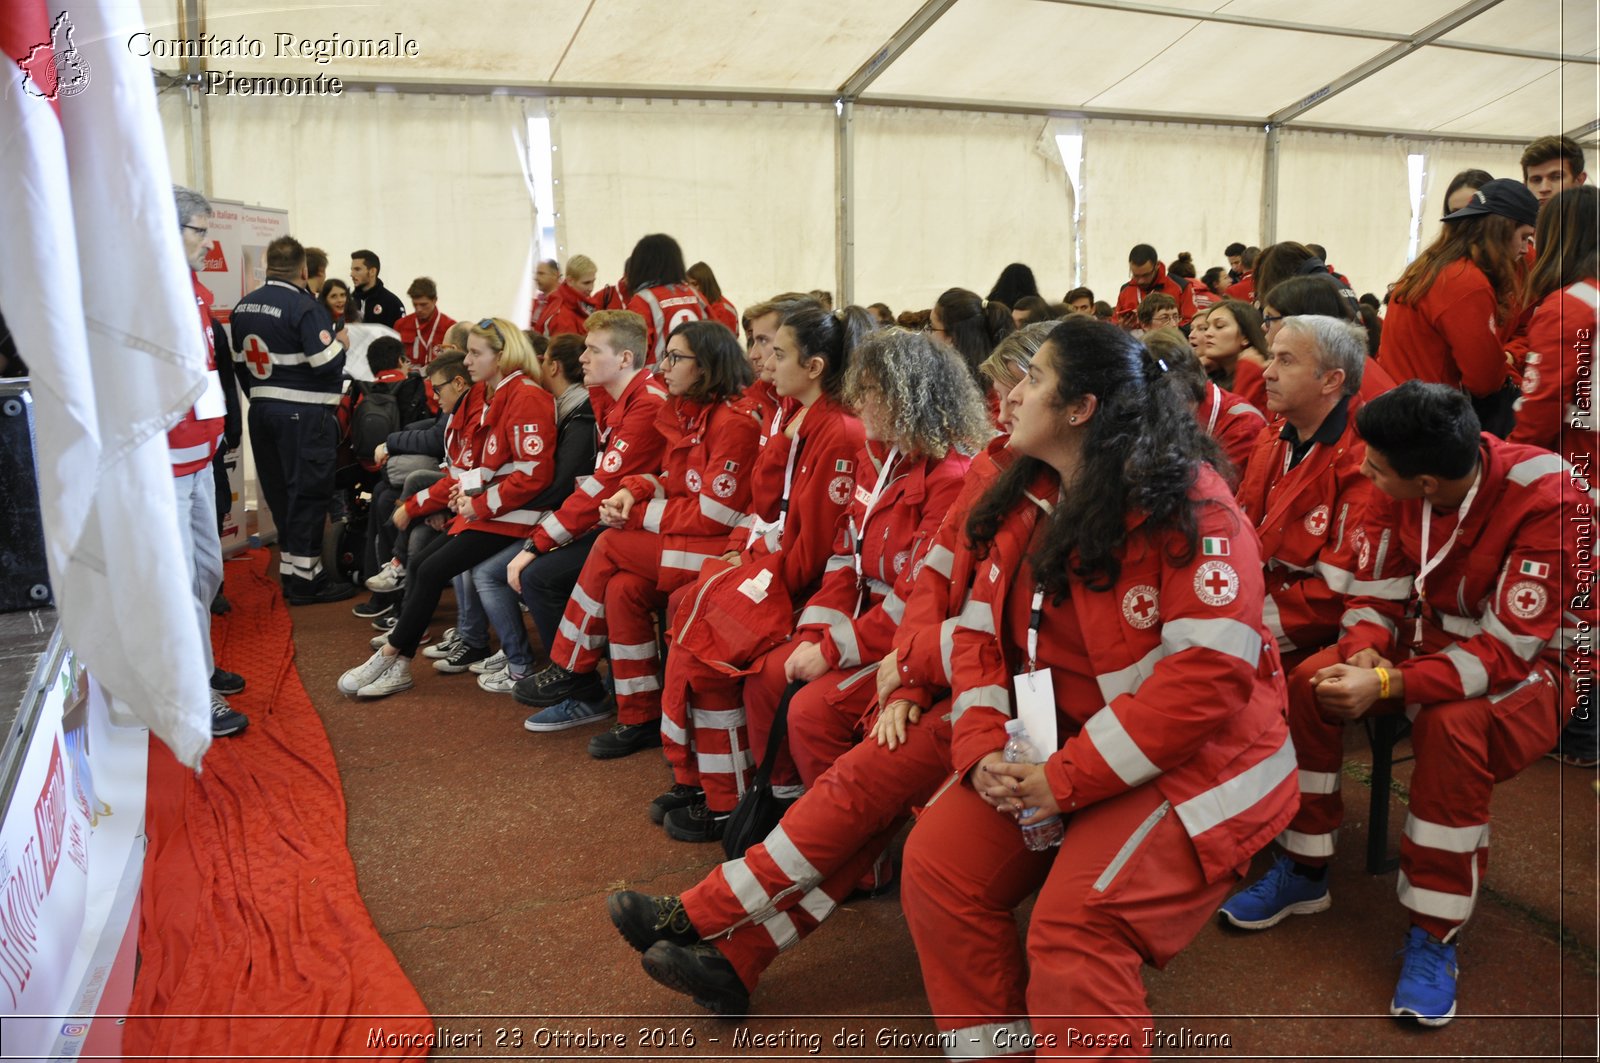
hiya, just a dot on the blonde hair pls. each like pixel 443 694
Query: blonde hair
pixel 626 329
pixel 1012 356
pixel 516 353
pixel 581 266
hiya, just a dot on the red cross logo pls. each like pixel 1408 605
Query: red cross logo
pixel 257 357
pixel 1217 584
pixel 1140 607
pixel 1527 600
pixel 1142 604
pixel 1317 520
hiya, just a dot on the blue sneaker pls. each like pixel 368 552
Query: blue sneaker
pixel 1277 894
pixel 1426 990
pixel 568 713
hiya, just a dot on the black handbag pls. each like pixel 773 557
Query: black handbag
pixel 1497 411
pixel 759 810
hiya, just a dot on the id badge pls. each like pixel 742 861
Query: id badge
pixel 1036 708
pixel 211 405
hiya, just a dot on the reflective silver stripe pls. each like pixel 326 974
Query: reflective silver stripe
pixel 673 732
pixel 711 509
pixel 817 904
pixel 1117 747
pixel 637 651
pixel 941 560
pixel 1525 472
pixel 723 763
pixel 1313 845
pixel 556 530
pixel 184 455
pixel 586 603
pixel 982 1042
pixel 1352 617
pixel 1465 627
pixel 1239 409
pixel 977 616
pixel 1274 622
pixel 1586 293
pixel 314 398
pixel 517 466
pixel 1128 680
pixel 878 587
pixel 570 630
pixel 1382 553
pixel 590 486
pixel 653 512
pixel 1222 635
pixel 790 860
pixel 684 559
pixel 1242 792
pixel 529 517
pixel 1525 646
pixel 947 648
pixel 757 904
pixel 1319 782
pixel 655 484
pixel 1129 847
pixel 1452 906
pixel 493 495
pixel 991 697
pixel 857 676
pixel 1447 839
pixel 840 627
pixel 1397 589
pixel 322 357
pixel 838 561
pixel 893 607
pixel 1339 580
pixel 716 719
pixel 637 686
pixel 1474 677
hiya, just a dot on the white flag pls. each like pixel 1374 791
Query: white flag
pixel 94 287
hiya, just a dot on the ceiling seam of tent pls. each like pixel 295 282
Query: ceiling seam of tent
pixel 1130 74
pixel 572 40
pixel 1503 95
pixel 1223 18
pixel 893 49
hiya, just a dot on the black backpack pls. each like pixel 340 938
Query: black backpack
pixel 376 415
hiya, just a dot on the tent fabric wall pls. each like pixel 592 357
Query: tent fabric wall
pixel 1445 159
pixel 433 184
pixel 946 199
pixel 1177 187
pixel 1352 195
pixel 746 187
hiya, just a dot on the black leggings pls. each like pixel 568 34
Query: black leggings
pixel 430 572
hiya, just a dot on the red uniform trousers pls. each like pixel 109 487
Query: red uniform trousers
pixel 826 718
pixel 1100 915
pixel 782 889
pixel 622 587
pixel 1462 749
pixel 708 737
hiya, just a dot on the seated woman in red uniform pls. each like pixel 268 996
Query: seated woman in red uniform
pixel 1319 295
pixel 1234 351
pixel 715 941
pixel 804 482
pixel 1118 589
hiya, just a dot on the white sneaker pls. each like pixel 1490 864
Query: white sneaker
pixel 362 674
pixel 395 677
pixel 500 682
pixel 391 577
pixel 378 642
pixel 444 647
pixel 489 665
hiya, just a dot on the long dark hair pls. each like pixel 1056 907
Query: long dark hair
pixel 656 260
pixel 1014 282
pixel 1567 237
pixel 830 335
pixel 973 327
pixel 1141 454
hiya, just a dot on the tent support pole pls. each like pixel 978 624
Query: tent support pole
pixel 194 98
pixel 1269 189
pixel 845 203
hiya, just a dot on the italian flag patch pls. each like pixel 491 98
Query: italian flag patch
pixel 843 465
pixel 1535 569
pixel 1214 547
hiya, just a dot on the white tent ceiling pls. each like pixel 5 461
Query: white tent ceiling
pixel 1481 68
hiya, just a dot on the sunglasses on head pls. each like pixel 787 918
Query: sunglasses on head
pixel 488 323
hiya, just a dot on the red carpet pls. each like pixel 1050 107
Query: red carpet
pixel 253 937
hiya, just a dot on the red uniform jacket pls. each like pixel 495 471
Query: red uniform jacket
pixel 564 310
pixel 1556 410
pixel 722 310
pixel 519 448
pixel 1192 685
pixel 665 307
pixel 463 447
pixel 854 618
pixel 192 443
pixel 1248 383
pixel 1500 603
pixel 1132 295
pixel 824 448
pixel 1243 289
pixel 421 337
pixel 703 488
pixel 1307 518
pixel 1233 423
pixel 630 444
pixel 762 402
pixel 1452 335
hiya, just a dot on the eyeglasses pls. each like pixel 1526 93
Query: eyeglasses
pixel 672 358
pixel 931 327
pixel 1267 319
pixel 197 229
pixel 488 323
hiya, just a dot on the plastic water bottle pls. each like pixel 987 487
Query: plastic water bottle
pixel 1019 750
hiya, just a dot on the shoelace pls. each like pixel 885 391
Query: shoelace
pixel 1424 958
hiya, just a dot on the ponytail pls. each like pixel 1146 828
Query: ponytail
pixel 830 335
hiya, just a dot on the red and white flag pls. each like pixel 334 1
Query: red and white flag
pixel 95 290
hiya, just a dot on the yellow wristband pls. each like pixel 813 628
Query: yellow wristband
pixel 1383 683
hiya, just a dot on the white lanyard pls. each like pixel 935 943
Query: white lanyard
pixel 1035 617
pixel 761 527
pixel 1216 409
pixel 884 474
pixel 427 348
pixel 1429 564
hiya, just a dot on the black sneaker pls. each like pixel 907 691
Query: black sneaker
pixel 378 605
pixel 298 590
pixel 556 684
pixel 462 659
pixel 624 739
pixel 385 622
pixel 696 823
pixel 644 920
pixel 700 971
pixel 224 721
pixel 682 795
pixel 226 682
pixel 220 606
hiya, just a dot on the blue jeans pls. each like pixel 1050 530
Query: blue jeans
pixel 504 608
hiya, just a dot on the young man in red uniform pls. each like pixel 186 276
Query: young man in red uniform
pixel 1457 618
pixel 1550 165
pixel 424 330
pixel 192 443
pixel 1147 275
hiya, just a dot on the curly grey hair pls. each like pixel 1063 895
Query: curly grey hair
pixel 933 403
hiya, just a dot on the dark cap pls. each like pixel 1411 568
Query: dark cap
pixel 1502 196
